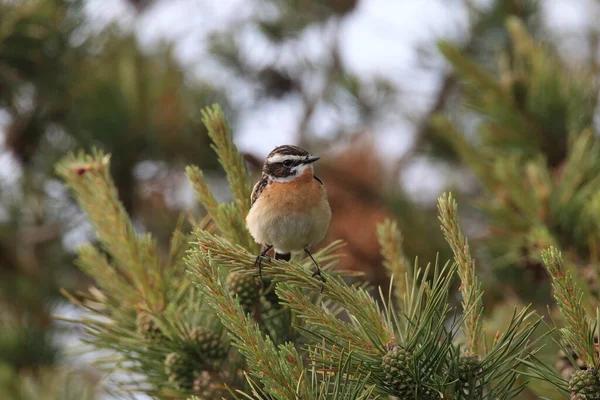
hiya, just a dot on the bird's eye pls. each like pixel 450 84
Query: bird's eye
pixel 287 163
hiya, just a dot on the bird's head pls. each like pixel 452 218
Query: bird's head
pixel 288 162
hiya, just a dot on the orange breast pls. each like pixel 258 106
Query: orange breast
pixel 301 194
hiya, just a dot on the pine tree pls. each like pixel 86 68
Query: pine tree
pixel 195 321
pixel 168 322
pixel 533 147
pixel 59 81
pixel 535 154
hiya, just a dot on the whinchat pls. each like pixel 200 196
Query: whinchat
pixel 289 210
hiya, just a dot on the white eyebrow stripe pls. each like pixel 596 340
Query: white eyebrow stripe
pixel 282 157
pixel 283 179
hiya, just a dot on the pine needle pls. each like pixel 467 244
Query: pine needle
pixel 229 157
pixel 470 287
pixel 394 260
pixel 569 296
pixel 135 258
pixel 279 369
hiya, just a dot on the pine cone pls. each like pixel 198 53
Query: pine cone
pixel 584 385
pixel 244 286
pixel 209 343
pixel 204 386
pixel 180 372
pixel 147 327
pixel 396 365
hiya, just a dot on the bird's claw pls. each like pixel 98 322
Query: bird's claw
pixel 317 273
pixel 258 264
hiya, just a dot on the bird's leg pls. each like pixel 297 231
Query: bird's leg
pixel 258 261
pixel 318 271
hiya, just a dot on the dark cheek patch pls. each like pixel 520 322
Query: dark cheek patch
pixel 278 170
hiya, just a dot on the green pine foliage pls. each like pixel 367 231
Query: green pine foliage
pixel 201 326
pixel 58 383
pixel 531 142
pixel 65 85
pixel 470 286
pixel 579 333
pixel 195 322
pixel 394 260
pixel 578 330
pixel 228 217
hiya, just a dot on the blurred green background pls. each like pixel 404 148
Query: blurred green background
pixel 360 82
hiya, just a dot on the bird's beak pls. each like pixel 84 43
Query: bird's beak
pixel 310 159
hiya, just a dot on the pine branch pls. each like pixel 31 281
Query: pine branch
pixel 279 369
pixel 88 176
pixel 228 218
pixel 511 348
pixel 581 163
pixel 136 258
pixel 229 157
pixel 426 309
pixel 351 335
pixel 204 194
pixel 467 69
pixel 178 244
pixel 470 287
pixel 356 301
pixel 394 260
pixel 474 156
pixel 569 296
pixel 93 263
pixel 342 383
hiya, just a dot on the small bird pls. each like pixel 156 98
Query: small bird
pixel 289 209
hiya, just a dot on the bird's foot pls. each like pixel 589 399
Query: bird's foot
pixel 258 262
pixel 317 273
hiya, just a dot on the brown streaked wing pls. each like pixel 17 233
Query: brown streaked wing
pixel 258 188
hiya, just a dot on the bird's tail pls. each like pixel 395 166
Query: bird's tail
pixel 284 257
